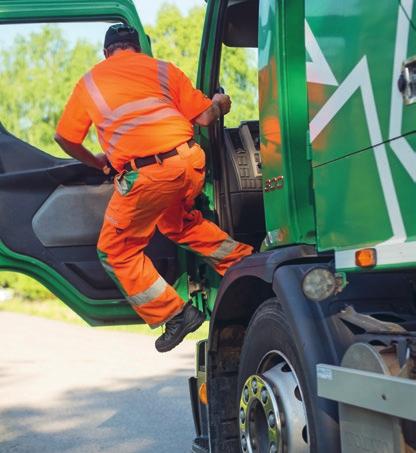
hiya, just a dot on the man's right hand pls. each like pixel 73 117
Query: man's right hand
pixel 221 105
pixel 223 101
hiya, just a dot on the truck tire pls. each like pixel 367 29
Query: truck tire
pixel 276 404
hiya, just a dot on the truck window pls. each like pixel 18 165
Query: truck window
pixel 238 70
pixel 238 75
pixel 39 66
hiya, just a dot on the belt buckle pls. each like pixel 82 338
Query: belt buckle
pixel 158 159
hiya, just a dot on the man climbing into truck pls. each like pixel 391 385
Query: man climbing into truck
pixel 144 110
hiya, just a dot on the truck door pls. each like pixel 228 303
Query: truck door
pixel 51 209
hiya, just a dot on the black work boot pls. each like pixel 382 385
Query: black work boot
pixel 187 321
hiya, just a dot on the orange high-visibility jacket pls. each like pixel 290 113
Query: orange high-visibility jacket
pixel 139 105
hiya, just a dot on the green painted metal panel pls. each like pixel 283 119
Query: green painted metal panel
pixel 406 191
pixel 350 207
pixel 364 193
pixel 283 123
pixel 95 312
pixel 363 45
pixel 25 11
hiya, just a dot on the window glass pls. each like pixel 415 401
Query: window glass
pixel 238 77
pixel 39 67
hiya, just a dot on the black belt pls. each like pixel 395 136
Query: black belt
pixel 140 162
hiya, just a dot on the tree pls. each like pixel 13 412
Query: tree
pixel 177 38
pixel 38 73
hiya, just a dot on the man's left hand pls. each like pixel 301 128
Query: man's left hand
pixel 102 163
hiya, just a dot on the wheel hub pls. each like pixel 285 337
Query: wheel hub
pixel 272 415
pixel 259 422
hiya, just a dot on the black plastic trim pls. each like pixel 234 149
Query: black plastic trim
pixel 193 393
pixel 313 337
pixel 263 266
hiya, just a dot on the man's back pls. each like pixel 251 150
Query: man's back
pixel 140 106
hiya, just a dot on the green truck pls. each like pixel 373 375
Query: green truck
pixel 312 343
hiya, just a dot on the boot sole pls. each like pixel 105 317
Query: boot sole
pixel 191 328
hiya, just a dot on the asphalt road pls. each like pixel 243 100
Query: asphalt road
pixel 66 388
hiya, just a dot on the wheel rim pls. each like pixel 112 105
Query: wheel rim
pixel 272 414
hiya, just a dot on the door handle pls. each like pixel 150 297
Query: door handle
pixel 407 81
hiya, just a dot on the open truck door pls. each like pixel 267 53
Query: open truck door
pixel 51 209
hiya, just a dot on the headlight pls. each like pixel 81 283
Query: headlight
pixel 319 284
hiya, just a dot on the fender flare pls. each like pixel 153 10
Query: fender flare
pixel 259 267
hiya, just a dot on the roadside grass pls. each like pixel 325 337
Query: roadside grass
pixel 56 310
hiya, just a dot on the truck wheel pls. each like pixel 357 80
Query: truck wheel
pixel 274 398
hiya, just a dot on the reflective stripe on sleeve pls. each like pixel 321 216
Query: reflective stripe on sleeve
pixel 163 76
pixel 151 293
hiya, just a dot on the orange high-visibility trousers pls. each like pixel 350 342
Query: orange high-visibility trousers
pixel 160 196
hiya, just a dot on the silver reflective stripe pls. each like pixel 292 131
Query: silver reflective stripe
pixel 110 116
pixel 151 293
pixel 131 107
pixel 227 246
pixel 163 76
pixel 101 139
pixel 113 115
pixel 140 120
pixel 107 267
pixel 96 95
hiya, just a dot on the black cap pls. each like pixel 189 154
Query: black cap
pixel 121 33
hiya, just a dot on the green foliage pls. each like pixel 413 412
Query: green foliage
pixel 38 72
pixel 238 77
pixel 24 287
pixel 177 38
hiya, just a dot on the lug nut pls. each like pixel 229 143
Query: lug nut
pixel 244 442
pixel 254 386
pixel 272 420
pixel 273 448
pixel 246 394
pixel 242 416
pixel 264 396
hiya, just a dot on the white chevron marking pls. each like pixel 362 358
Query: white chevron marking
pixel 317 70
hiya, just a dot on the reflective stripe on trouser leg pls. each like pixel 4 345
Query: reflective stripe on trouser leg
pixel 192 231
pixel 155 303
pixel 127 229
pixel 152 292
pixel 104 262
pixel 153 309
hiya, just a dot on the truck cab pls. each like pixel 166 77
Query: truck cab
pixel 305 335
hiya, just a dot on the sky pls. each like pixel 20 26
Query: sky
pixel 147 10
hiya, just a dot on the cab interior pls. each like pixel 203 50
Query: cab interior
pixel 235 148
